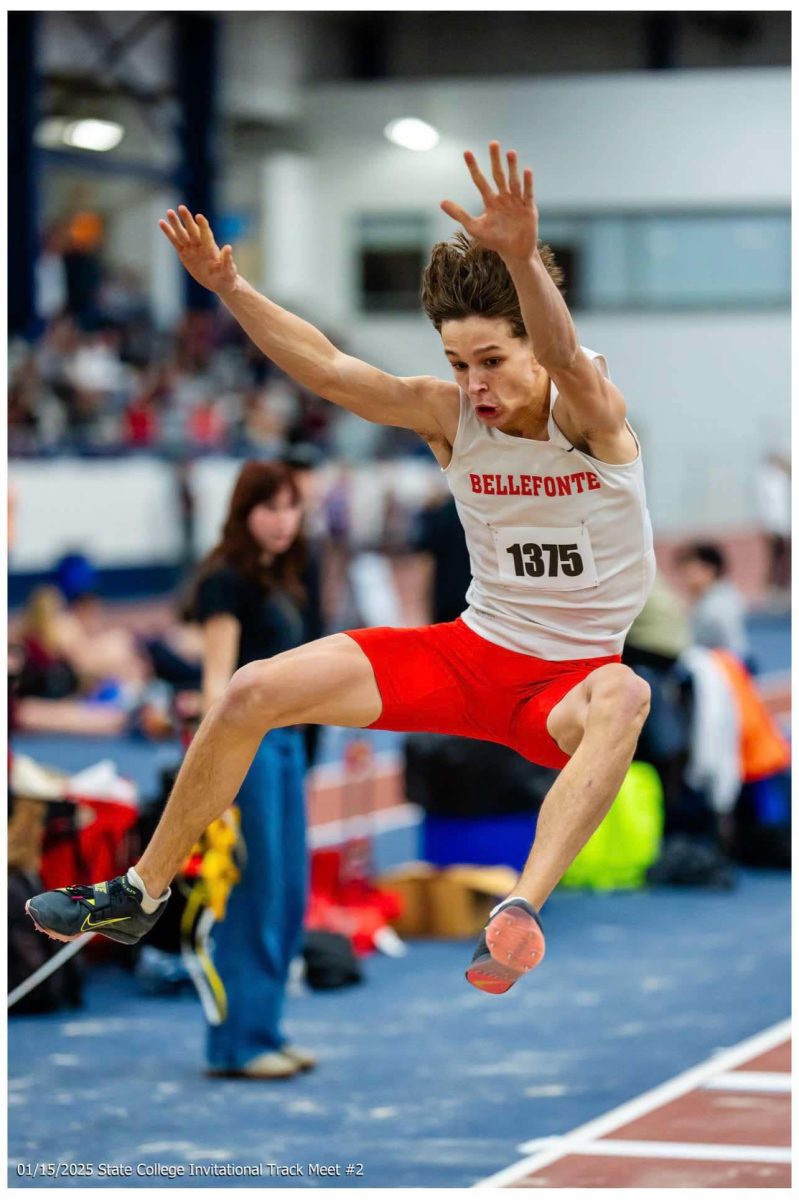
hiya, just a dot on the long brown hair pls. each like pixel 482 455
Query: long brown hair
pixel 464 279
pixel 257 483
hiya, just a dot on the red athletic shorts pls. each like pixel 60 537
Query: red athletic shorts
pixel 447 679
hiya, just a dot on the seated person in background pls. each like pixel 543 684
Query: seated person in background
pixel 74 673
pixel 43 685
pixel 176 652
pixel 660 632
pixel 101 652
pixel 44 667
pixel 718 612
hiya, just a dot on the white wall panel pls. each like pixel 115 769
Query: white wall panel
pixel 120 513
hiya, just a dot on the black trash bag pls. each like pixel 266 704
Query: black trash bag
pixel 28 950
pixel 692 862
pixel 763 823
pixel 330 961
pixel 463 777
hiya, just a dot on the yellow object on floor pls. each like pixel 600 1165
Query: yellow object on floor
pixel 221 850
pixel 627 842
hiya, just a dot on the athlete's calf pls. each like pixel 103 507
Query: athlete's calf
pixel 329 682
pixel 598 723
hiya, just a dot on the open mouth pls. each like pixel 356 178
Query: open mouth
pixel 487 411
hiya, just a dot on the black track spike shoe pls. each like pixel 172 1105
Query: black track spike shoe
pixel 511 944
pixel 112 909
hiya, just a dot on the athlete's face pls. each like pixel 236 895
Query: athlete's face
pixel 496 370
pixel 275 523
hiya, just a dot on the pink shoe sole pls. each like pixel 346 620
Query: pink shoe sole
pixel 515 940
pixel 56 937
pixel 516 945
pixel 490 977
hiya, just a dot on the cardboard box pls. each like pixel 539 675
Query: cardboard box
pixel 410 882
pixel 450 903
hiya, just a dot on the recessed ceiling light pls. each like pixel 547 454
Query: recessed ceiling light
pixel 411 133
pixel 92 134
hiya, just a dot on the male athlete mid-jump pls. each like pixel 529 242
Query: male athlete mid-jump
pixel 547 477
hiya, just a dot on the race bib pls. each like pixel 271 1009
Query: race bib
pixel 558 560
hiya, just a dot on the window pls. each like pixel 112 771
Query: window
pixel 393 249
pixel 674 260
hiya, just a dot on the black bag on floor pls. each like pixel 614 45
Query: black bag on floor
pixel 463 777
pixel 330 961
pixel 763 823
pixel 692 862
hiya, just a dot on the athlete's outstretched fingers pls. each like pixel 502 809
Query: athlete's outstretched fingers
pixel 206 236
pixel 166 228
pixel 513 173
pixel 528 186
pixel 481 183
pixel 227 256
pixel 181 236
pixel 457 213
pixel 189 222
pixel 496 166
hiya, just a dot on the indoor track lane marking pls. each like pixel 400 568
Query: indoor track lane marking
pixel 543 1152
pixel 699 1151
pixel 750 1081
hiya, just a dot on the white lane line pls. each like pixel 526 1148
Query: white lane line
pixel 335 774
pixel 750 1081
pixel 724 1060
pixel 47 968
pixel 382 820
pixel 696 1151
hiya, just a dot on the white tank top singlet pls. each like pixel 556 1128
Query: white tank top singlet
pixel 560 543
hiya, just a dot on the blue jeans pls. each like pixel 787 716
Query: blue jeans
pixel 262 929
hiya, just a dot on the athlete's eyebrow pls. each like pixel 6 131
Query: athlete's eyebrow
pixel 479 350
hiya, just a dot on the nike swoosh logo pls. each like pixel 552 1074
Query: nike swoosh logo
pixel 90 924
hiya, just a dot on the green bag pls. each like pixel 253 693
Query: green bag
pixel 628 841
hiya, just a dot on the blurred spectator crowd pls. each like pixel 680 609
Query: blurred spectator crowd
pixel 122 385
pixel 102 378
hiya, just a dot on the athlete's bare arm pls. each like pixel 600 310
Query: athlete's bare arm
pixel 591 409
pixel 425 404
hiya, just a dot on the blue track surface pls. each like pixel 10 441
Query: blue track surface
pixel 423 1080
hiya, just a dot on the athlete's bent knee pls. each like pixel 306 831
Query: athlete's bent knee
pixel 249 700
pixel 620 696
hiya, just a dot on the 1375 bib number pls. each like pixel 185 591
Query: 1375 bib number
pixel 551 559
pixel 548 558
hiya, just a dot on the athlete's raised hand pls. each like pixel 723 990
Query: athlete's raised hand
pixel 509 224
pixel 197 250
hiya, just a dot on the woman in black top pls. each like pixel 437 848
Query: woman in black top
pixel 250 599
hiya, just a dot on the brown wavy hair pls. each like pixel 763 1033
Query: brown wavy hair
pixel 257 483
pixel 463 279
